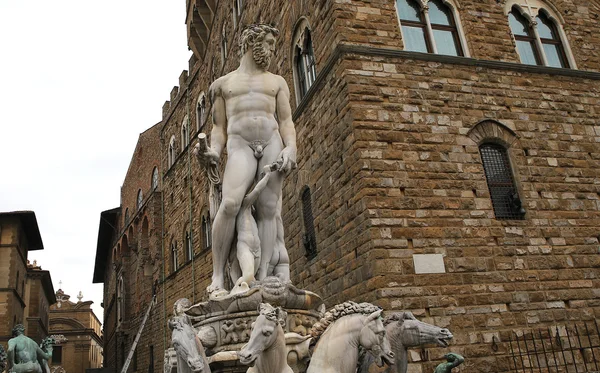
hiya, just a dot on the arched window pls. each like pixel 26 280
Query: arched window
pixel 502 187
pixel 206 232
pixel 538 34
pixel 126 221
pixel 189 250
pixel 140 199
pixel 171 154
pixel 523 34
pixel 494 139
pixel 431 29
pixel 200 111
pixel 304 69
pixel 310 240
pixel 185 133
pixel 155 178
pixel 174 261
pixel 223 46
pixel 238 6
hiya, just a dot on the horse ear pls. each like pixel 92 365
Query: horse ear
pixel 374 316
pixel 281 317
pixel 261 306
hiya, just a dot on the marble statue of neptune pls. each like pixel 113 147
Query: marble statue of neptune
pixel 253 120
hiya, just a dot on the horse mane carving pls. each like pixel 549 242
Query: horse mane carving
pixel 339 311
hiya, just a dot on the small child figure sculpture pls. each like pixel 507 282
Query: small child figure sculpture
pixel 453 360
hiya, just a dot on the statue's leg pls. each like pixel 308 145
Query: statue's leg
pixel 237 178
pixel 266 216
pixel 247 245
pixel 280 261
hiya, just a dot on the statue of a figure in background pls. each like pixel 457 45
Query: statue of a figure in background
pixel 252 117
pixel 452 361
pixel 24 354
pixel 2 359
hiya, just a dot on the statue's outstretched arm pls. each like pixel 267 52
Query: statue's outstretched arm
pixel 458 359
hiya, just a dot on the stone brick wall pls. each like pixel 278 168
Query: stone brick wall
pixel 13 272
pixel 386 146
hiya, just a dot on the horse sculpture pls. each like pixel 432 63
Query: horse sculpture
pixel 343 332
pixel 266 347
pixel 190 352
pixel 405 331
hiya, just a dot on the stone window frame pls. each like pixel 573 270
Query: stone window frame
pixel 200 111
pixel 301 35
pixel 223 46
pixel 454 8
pixel 206 229
pixel 139 202
pixel 530 9
pixel 171 153
pixel 155 179
pixel 120 298
pixel 490 131
pixel 174 256
pixel 188 246
pixel 185 133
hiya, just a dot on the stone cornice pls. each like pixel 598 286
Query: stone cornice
pixel 367 50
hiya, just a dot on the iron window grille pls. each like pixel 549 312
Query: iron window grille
pixel 501 184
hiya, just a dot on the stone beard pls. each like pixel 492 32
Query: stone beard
pixel 261 55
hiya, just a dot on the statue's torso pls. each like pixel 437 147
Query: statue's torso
pixel 250 104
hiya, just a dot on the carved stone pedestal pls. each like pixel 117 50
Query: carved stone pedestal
pixel 224 325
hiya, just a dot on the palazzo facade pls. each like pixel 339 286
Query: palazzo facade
pixel 448 165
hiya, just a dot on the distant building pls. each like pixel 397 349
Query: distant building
pixel 78 334
pixel 26 291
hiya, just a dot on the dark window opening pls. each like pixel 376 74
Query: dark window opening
pixel 310 240
pixel 57 355
pixel 502 187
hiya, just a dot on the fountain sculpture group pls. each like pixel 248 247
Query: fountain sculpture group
pixel 263 321
pixel 24 354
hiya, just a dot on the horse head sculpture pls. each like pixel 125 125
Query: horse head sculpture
pixel 190 352
pixel 405 331
pixel 266 348
pixel 343 332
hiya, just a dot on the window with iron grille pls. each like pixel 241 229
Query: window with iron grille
pixel 310 240
pixel 502 187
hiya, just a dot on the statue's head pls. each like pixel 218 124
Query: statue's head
pixel 260 38
pixel 18 330
pixel 180 306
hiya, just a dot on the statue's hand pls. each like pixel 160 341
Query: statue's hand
pixel 209 156
pixel 287 159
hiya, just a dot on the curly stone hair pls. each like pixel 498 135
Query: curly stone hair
pixel 255 34
pixel 18 328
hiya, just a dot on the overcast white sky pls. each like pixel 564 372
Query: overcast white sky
pixel 79 81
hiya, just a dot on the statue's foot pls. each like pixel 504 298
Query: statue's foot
pixel 239 288
pixel 215 292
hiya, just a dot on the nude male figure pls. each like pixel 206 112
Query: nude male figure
pixel 245 105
